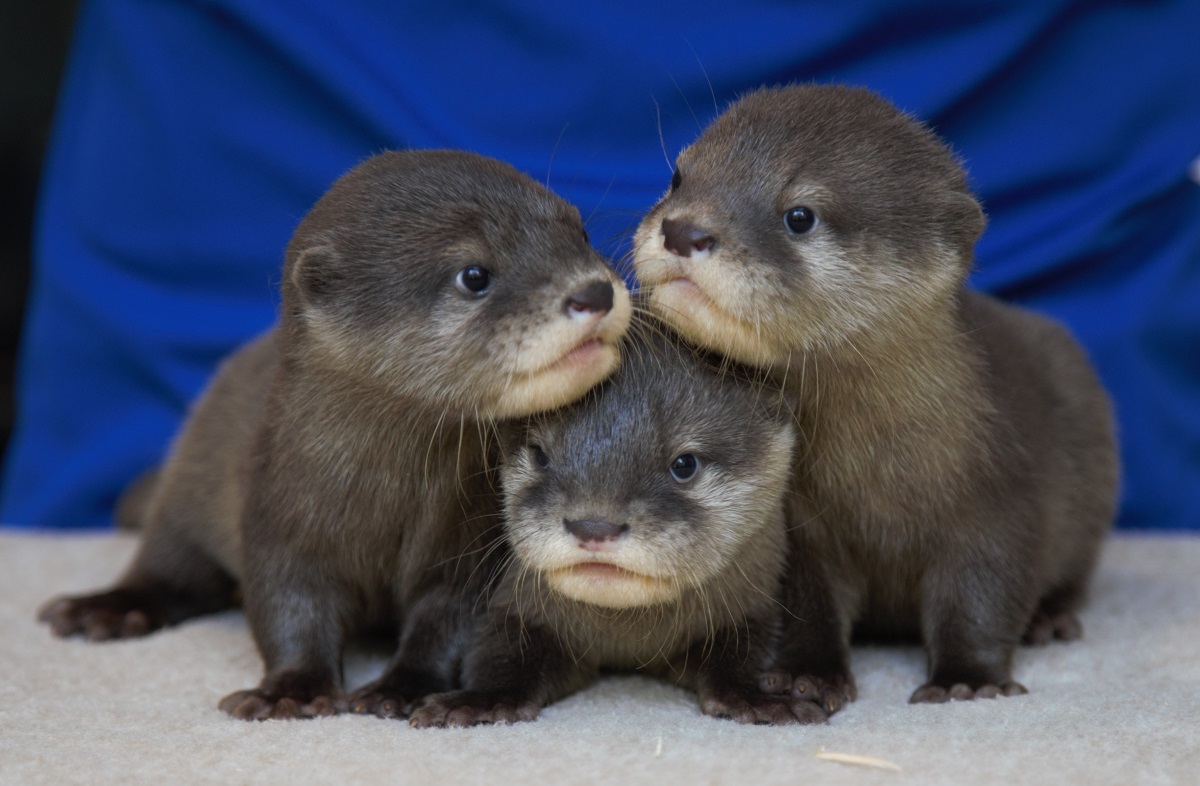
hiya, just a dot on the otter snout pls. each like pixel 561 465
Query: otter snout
pixel 682 238
pixel 593 535
pixel 595 298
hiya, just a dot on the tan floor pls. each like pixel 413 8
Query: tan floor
pixel 1120 707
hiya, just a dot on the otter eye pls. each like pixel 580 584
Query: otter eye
pixel 676 179
pixel 473 280
pixel 799 220
pixel 684 467
pixel 539 456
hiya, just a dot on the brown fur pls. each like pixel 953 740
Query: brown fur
pixel 959 473
pixel 339 469
pixel 695 596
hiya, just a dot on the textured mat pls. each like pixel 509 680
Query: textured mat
pixel 1122 706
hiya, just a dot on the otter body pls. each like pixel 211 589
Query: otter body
pixel 957 469
pixel 646 529
pixel 339 469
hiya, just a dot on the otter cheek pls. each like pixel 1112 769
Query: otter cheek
pixel 685 308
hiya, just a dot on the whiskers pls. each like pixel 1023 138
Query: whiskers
pixel 554 152
pixel 661 139
pixel 707 80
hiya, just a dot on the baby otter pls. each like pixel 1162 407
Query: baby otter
pixel 646 532
pixel 958 472
pixel 338 468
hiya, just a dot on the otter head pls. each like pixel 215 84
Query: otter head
pixel 804 217
pixel 651 486
pixel 456 281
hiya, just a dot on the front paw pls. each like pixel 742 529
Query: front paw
pixel 257 704
pixel 1046 627
pixel 463 708
pixel 116 614
pixel 392 696
pixel 286 696
pixel 933 693
pixel 751 706
pixel 831 692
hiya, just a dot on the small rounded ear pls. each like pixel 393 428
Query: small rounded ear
pixel 316 275
pixel 964 222
pixel 511 436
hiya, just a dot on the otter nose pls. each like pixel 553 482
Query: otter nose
pixel 588 531
pixel 596 298
pixel 682 238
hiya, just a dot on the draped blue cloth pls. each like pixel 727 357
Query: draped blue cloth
pixel 192 135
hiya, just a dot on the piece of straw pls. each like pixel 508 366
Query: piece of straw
pixel 861 761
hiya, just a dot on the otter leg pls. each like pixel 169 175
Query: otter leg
pixel 1055 618
pixel 295 610
pixel 511 672
pixel 812 659
pixel 170 580
pixel 972 614
pixel 728 684
pixel 427 660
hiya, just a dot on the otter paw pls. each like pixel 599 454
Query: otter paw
pixel 1044 628
pixel 258 704
pixel 117 614
pixel 380 701
pixel 831 692
pixel 463 708
pixel 931 693
pixel 395 693
pixel 749 706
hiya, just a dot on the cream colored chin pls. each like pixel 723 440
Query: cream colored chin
pixel 556 385
pixel 685 307
pixel 615 589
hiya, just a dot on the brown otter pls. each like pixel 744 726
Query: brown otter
pixel 646 531
pixel 957 473
pixel 339 466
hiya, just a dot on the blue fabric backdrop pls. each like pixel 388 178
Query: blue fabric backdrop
pixel 192 136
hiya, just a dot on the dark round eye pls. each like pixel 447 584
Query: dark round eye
pixel 473 280
pixel 539 456
pixel 676 179
pixel 799 220
pixel 684 467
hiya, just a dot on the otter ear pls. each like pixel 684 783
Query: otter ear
pixel 964 222
pixel 511 435
pixel 316 275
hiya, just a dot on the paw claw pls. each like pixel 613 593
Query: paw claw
pixel 829 693
pixel 775 682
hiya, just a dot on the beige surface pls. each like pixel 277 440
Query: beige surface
pixel 1120 707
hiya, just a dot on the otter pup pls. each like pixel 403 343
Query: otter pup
pixel 339 469
pixel 958 471
pixel 646 532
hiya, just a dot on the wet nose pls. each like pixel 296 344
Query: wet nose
pixel 588 531
pixel 682 238
pixel 595 298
